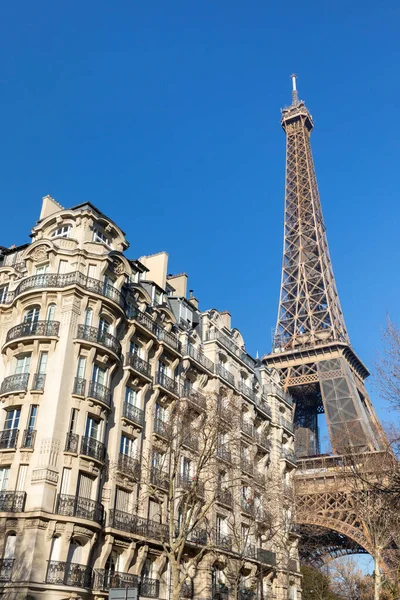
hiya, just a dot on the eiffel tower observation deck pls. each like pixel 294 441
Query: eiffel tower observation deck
pixel 311 347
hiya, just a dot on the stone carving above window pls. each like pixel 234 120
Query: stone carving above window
pixel 39 254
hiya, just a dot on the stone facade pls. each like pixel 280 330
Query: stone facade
pixel 95 347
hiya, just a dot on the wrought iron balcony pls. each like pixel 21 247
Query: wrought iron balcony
pixel 190 439
pixel 223 541
pixel 247 391
pixel 287 424
pixel 262 440
pixel 247 593
pixel 38 382
pixel 145 320
pixel 224 411
pixel 159 478
pixel 225 497
pixel 169 338
pixel 12 501
pixel 224 373
pixel 220 591
pixel 28 439
pixel 266 556
pixel 200 358
pixel 71 574
pixel 189 482
pixel 271 388
pixel 133 413
pixel 230 345
pixel 259 478
pixel 137 525
pixel 6 566
pixel 8 438
pixel 160 427
pixel 100 392
pixel 247 427
pixel 129 466
pixel 195 396
pixel 224 454
pixel 288 455
pixel 247 505
pixel 77 506
pixel 167 383
pixel 15 383
pixel 263 407
pixel 54 280
pixel 198 536
pixel 149 588
pixel 104 580
pixel 246 465
pixel 93 448
pixel 98 336
pixel 72 443
pixel 249 551
pixel 138 364
pixel 33 329
pixel 79 386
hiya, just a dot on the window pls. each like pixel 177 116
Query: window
pixel 162 368
pixel 3 293
pixel 12 418
pixel 9 550
pixel 128 446
pixel 91 271
pixel 135 348
pixel 186 467
pixel 131 396
pixel 92 428
pixel 73 419
pixel 112 563
pixel 62 231
pixel 123 500
pixel 21 480
pixel 157 460
pixel 221 525
pixel 154 511
pixel 31 317
pixel 65 481
pixel 100 237
pixel 42 269
pixel 62 267
pixel 88 317
pixel 29 435
pixel 55 548
pixel 85 486
pixel 50 312
pixel 104 326
pixel 74 553
pixel 4 476
pixel 99 375
pixel 161 413
pixel 23 364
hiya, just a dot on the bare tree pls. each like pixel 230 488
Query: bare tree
pixel 388 366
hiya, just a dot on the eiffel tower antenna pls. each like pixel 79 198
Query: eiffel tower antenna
pixel 311 347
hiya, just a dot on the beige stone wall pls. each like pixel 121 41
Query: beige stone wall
pixel 77 328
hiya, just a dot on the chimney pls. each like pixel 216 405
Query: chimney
pixel 157 265
pixel 179 282
pixel 49 207
pixel 226 318
pixel 193 301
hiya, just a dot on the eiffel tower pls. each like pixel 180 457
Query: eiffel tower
pixel 313 354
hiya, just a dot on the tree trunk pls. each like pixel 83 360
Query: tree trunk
pixel 377 576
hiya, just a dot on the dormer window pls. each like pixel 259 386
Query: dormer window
pixel 101 238
pixel 62 231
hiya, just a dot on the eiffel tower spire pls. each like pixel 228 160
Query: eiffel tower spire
pixel 311 348
pixel 309 307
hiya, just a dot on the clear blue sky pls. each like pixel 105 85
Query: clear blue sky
pixel 166 115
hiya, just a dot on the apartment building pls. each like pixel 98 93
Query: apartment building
pixel 96 349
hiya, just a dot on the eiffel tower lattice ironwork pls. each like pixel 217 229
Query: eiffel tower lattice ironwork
pixel 311 347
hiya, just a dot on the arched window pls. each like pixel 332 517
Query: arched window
pixel 50 312
pixel 74 552
pixel 9 549
pixel 55 548
pixel 104 325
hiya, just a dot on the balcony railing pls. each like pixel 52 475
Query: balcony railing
pixel 6 566
pixel 223 541
pixel 98 336
pixel 137 525
pixel 12 501
pixel 190 439
pixel 224 373
pixel 34 329
pixel 246 465
pixel 287 424
pixel 159 478
pixel 167 383
pixel 262 406
pixel 198 536
pixel 169 338
pixel 160 427
pixel 247 428
pixel 188 482
pixel 220 591
pixel 93 448
pixel 133 413
pixel 77 506
pixel 71 574
pixel 147 322
pixel 72 443
pixel 79 386
pixel 266 556
pixel 224 410
pixel 138 364
pixel 195 396
pixel 247 593
pixel 259 478
pixel 149 588
pixel 129 465
pixel 15 383
pixel 224 454
pixel 200 358
pixel 28 439
pixel 225 497
pixel 104 580
pixel 288 455
pixel 262 440
pixel 54 280
pixel 38 382
pixel 270 388
pixel 230 345
pixel 247 391
pixel 100 392
pixel 249 551
pixel 8 438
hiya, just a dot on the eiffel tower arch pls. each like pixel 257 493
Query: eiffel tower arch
pixel 315 360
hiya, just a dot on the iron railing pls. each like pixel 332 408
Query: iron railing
pixel 77 506
pixel 246 465
pixel 6 566
pixel 145 320
pixel 168 383
pixel 159 478
pixel 71 574
pixel 266 556
pixel 262 406
pixel 93 448
pixel 200 358
pixel 169 338
pixel 79 386
pixel 249 551
pixel 133 413
pixel 160 427
pixel 149 588
pixel 8 438
pixel 129 465
pixel 271 388
pixel 99 336
pixel 220 591
pixel 287 424
pixel 224 373
pixel 36 328
pixel 288 455
pixel 138 364
pixel 198 536
pixel 262 440
pixel 247 428
pixel 12 501
pixel 224 454
pixel 225 497
pixel 15 383
pixel 247 391
pixel 223 541
pixel 230 345
pixel 72 443
pixel 100 392
pixel 195 396
pixel 104 580
pixel 38 382
pixel 28 439
pixel 186 589
pixel 138 525
pixel 189 482
pixel 190 439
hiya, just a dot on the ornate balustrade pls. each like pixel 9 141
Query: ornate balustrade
pixel 6 566
pixel 72 443
pixel 168 383
pixel 149 588
pixel 71 574
pixel 225 374
pixel 138 364
pixel 133 413
pixel 15 383
pixel 129 466
pixel 98 336
pixel 93 448
pixel 266 556
pixel 12 501
pixel 100 392
pixel 33 329
pixel 138 525
pixel 28 439
pixel 77 506
pixel 104 580
pixel 200 358
pixel 8 438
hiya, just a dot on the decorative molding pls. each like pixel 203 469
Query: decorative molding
pixel 44 476
pixel 39 254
